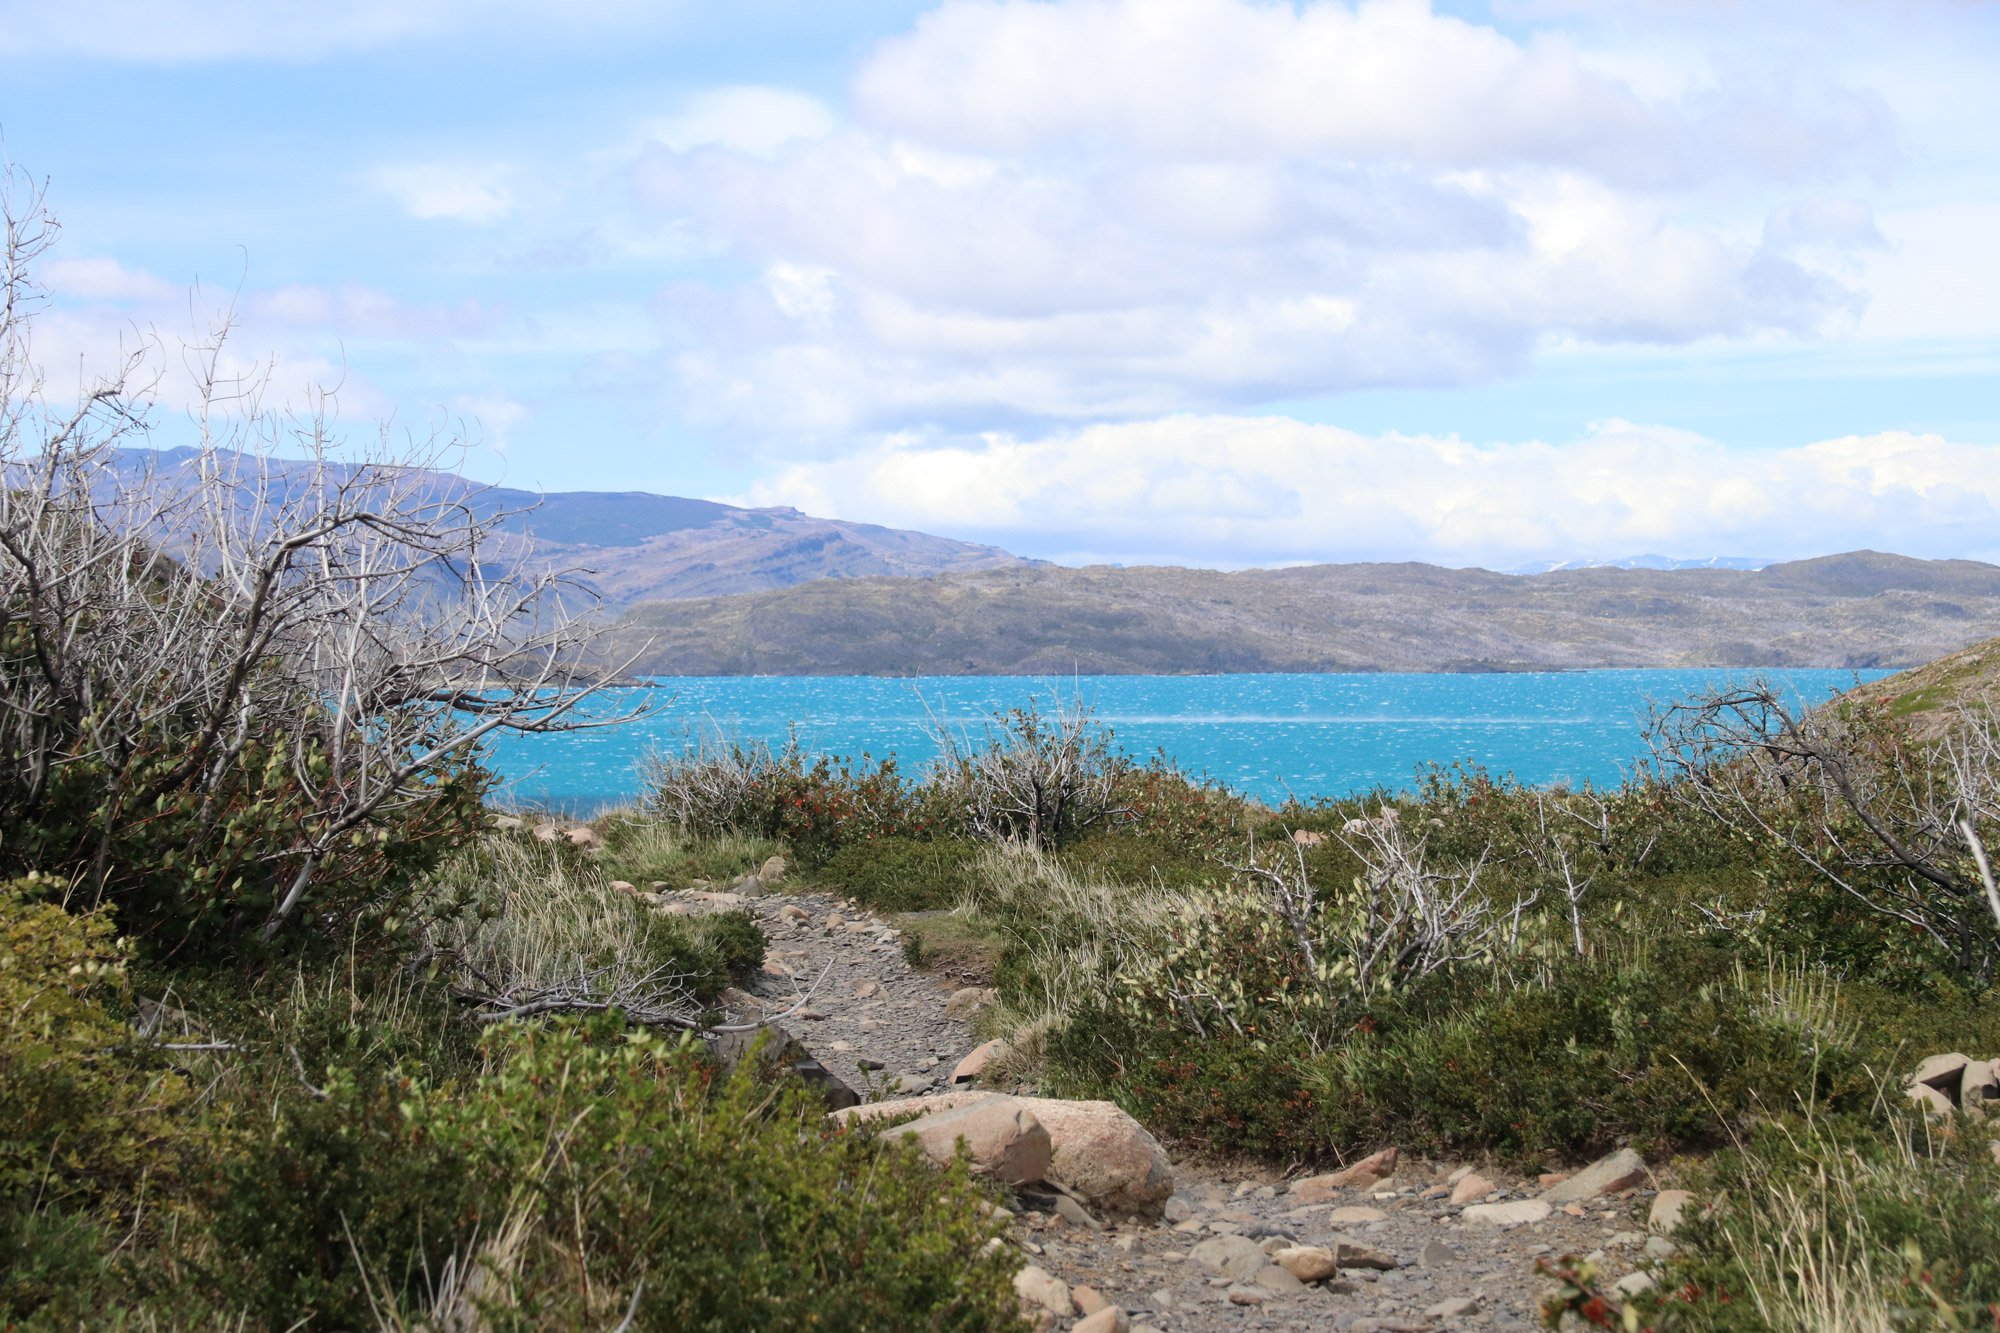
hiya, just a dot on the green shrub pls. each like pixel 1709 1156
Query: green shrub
pixel 902 874
pixel 723 1207
pixel 737 940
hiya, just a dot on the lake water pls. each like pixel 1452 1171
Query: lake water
pixel 1268 735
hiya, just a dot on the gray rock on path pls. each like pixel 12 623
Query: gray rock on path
pixel 1513 1213
pixel 1037 1286
pixel 1232 1256
pixel 1622 1170
pixel 1436 1254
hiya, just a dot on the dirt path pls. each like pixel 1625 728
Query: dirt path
pixel 868 1005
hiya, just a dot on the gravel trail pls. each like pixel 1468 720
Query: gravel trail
pixel 867 1005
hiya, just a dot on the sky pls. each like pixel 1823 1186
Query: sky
pixel 1210 282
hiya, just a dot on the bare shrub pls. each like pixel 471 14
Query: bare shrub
pixel 713 782
pixel 233 683
pixel 1890 820
pixel 1038 777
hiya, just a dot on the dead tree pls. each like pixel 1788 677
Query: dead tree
pixel 356 618
pixel 1889 821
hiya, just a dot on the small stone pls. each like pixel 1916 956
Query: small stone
pixel 773 870
pixel 1088 1301
pixel 661 886
pixel 624 886
pixel 1110 1319
pixel 586 839
pixel 1163 1299
pixel 1460 1174
pixel 1668 1205
pixel 842 1047
pixel 863 989
pixel 1069 1210
pixel 1621 1170
pixel 1454 1307
pixel 1279 1280
pixel 1178 1209
pixel 963 1002
pixel 1126 1244
pixel 1036 1286
pixel 1245 1296
pixel 1575 1210
pixel 1231 1256
pixel 793 912
pixel 972 1066
pixel 1633 1283
pixel 1307 1263
pixel 1348 1254
pixel 547 833
pixel 834 921
pixel 1471 1188
pixel 1436 1254
pixel 1354 1216
pixel 1550 1179
pixel 1659 1247
pixel 1504 1215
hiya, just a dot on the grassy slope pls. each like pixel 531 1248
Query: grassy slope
pixel 1857 610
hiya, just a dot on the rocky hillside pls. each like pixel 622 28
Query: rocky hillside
pixel 1934 693
pixel 1862 609
pixel 634 546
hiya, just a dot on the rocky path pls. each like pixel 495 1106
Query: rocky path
pixel 1431 1245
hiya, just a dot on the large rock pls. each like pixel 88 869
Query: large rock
pixel 586 839
pixel 1471 1189
pixel 1232 1256
pixel 1111 1319
pixel 1102 1155
pixel 1006 1141
pixel 1622 1170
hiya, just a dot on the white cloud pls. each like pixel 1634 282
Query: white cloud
pixel 756 121
pixel 103 279
pixel 1095 209
pixel 1271 490
pixel 179 31
pixel 478 194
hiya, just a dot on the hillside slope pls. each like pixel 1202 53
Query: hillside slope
pixel 634 546
pixel 1862 609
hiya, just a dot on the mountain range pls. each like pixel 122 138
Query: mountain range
pixel 1862 609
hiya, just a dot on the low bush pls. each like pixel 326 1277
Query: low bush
pixel 903 874
pixel 1813 1223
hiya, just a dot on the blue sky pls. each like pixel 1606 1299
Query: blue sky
pixel 1202 281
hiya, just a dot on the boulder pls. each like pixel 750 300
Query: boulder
pixel 1279 1280
pixel 1941 1071
pixel 1929 1100
pixel 1231 1256
pixel 1607 1175
pixel 773 870
pixel 547 833
pixel 1978 1085
pixel 1307 1263
pixel 972 1066
pixel 586 838
pixel 1471 1189
pixel 1040 1289
pixel 1088 1300
pixel 1102 1155
pixel 1513 1213
pixel 1668 1205
pixel 1006 1141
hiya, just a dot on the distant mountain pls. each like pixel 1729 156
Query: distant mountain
pixel 1645 562
pixel 1863 609
pixel 636 546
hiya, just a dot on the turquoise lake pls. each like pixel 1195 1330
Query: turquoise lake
pixel 1267 735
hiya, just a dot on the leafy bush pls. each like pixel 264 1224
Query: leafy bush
pixel 903 874
pixel 737 940
pixel 1675 1050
